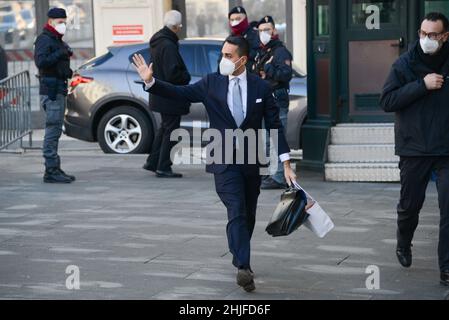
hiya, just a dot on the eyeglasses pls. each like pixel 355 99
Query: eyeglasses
pixel 432 35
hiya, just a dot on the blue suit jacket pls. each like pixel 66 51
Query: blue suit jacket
pixel 212 91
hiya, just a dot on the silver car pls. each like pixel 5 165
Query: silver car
pixel 106 105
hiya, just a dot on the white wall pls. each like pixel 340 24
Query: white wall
pixel 109 13
pixel 300 34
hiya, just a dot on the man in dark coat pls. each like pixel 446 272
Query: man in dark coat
pixel 52 58
pixel 169 67
pixel 234 99
pixel 3 64
pixel 240 26
pixel 417 90
pixel 274 65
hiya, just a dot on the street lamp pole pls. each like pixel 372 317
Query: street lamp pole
pixel 42 8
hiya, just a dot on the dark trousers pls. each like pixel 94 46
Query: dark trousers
pixel 415 176
pixel 239 192
pixel 159 158
pixel 54 120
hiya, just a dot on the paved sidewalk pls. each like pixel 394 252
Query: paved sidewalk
pixel 136 237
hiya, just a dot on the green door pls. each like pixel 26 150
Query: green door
pixel 367 51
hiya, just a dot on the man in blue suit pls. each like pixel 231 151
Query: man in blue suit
pixel 234 100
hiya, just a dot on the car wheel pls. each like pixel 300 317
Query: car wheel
pixel 125 130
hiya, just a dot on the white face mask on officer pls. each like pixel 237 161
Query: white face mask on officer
pixel 61 28
pixel 429 46
pixel 265 37
pixel 235 23
pixel 227 67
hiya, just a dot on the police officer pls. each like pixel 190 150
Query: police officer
pixel 240 26
pixel 52 58
pixel 274 64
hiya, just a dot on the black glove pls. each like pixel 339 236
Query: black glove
pixel 66 52
pixel 63 54
pixel 69 50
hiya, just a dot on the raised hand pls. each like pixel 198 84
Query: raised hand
pixel 144 71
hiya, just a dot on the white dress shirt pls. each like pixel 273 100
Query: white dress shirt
pixel 244 89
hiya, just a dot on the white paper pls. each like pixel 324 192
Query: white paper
pixel 319 221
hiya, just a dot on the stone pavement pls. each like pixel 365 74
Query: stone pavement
pixel 133 236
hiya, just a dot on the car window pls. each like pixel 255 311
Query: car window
pixel 189 57
pixel 193 57
pixel 145 54
pixel 213 55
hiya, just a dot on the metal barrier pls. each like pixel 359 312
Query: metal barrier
pixel 15 110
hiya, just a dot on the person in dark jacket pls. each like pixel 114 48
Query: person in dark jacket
pixel 240 26
pixel 274 64
pixel 234 99
pixel 170 67
pixel 52 58
pixel 417 90
pixel 3 64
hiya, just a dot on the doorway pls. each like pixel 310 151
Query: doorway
pixel 367 56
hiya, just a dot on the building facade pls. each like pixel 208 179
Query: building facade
pixel 96 25
pixel 349 59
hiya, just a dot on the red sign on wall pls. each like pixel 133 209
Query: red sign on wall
pixel 123 34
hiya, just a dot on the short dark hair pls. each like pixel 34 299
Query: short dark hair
pixel 241 43
pixel 438 16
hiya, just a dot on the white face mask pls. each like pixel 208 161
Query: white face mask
pixel 265 37
pixel 227 67
pixel 429 46
pixel 235 23
pixel 61 28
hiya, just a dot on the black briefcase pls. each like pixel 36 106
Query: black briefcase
pixel 290 214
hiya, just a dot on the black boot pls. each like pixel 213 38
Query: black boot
pixel 72 178
pixel 405 256
pixel 54 175
pixel 168 174
pixel 148 167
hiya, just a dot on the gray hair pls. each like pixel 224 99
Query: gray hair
pixel 172 19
